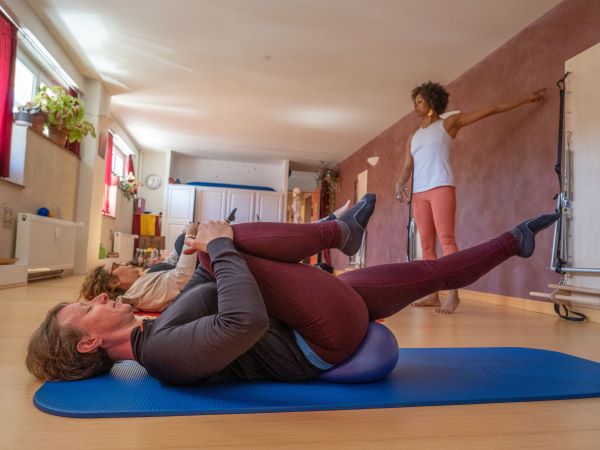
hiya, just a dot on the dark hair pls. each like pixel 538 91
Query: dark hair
pixel 434 94
pixel 99 281
pixel 52 352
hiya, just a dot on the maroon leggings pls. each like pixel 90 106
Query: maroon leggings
pixel 332 313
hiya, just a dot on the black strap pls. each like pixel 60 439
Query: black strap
pixel 561 124
pixel 560 263
pixel 410 216
pixel 580 317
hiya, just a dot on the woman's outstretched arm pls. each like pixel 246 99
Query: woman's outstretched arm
pixel 455 122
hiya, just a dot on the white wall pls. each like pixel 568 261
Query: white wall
pixel 153 162
pixel 49 180
pixel 188 168
pixel 306 181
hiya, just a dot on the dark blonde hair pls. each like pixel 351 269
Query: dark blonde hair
pixel 99 281
pixel 52 352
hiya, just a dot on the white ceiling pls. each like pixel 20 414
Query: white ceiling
pixel 305 80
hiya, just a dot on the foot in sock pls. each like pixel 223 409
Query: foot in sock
pixel 353 224
pixel 525 232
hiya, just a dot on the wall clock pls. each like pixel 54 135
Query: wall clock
pixel 153 181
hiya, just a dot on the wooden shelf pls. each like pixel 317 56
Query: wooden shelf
pixel 570 296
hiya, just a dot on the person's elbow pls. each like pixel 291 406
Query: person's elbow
pixel 251 324
pixel 259 323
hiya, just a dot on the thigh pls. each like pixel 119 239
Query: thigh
pixel 443 206
pixel 328 313
pixel 285 242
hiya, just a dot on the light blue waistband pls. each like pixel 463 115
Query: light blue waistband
pixel 312 357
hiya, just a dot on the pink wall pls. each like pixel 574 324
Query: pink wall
pixel 504 164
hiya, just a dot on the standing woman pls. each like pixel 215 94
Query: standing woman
pixel 428 153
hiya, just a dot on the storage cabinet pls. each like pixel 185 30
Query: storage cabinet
pixel 180 212
pixel 201 204
pixel 269 207
pixel 210 204
pixel 243 200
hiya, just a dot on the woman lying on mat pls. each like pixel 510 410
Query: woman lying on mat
pixel 150 290
pixel 154 289
pixel 266 317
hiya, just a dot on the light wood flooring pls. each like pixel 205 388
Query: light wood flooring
pixel 573 424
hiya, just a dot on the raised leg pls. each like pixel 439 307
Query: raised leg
pixel 388 288
pixel 294 242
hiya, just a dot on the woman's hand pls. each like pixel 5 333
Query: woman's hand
pixel 402 194
pixel 537 96
pixel 206 233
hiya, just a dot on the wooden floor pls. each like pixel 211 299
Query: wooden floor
pixel 573 424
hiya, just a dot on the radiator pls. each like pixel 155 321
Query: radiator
pixel 124 245
pixel 45 245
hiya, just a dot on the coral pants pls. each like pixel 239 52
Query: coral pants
pixel 434 212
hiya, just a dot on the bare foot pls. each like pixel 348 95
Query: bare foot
pixel 450 304
pixel 429 300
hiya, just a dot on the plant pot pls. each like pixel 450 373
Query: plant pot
pixel 22 118
pixel 37 122
pixel 57 136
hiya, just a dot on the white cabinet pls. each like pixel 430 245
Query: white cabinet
pixel 180 212
pixel 210 204
pixel 243 200
pixel 269 207
pixel 187 204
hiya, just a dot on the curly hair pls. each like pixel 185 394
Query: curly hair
pixel 99 281
pixel 52 352
pixel 434 94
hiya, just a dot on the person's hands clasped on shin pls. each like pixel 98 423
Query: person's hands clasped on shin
pixel 207 232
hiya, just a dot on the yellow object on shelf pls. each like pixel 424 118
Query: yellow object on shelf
pixel 148 224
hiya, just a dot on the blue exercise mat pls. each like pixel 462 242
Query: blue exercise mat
pixel 423 377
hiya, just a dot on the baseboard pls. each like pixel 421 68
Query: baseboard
pixel 525 304
pixel 12 275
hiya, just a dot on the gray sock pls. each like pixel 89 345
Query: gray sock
pixel 525 232
pixel 353 224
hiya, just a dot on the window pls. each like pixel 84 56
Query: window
pixel 29 79
pixel 117 156
pixel 34 69
pixel 118 160
pixel 24 84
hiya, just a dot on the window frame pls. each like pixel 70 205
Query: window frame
pixel 39 75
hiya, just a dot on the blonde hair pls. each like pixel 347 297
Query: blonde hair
pixel 52 352
pixel 99 281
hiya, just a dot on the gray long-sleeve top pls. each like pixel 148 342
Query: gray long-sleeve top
pixel 219 332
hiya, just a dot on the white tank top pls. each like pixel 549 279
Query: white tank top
pixel 430 149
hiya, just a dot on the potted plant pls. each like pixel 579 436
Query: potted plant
pixel 64 115
pixel 128 186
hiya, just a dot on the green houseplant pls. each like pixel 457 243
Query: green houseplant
pixel 65 113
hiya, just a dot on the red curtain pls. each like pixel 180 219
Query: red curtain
pixel 129 169
pixel 8 56
pixel 107 174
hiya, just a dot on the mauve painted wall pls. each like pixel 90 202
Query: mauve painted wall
pixel 504 165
